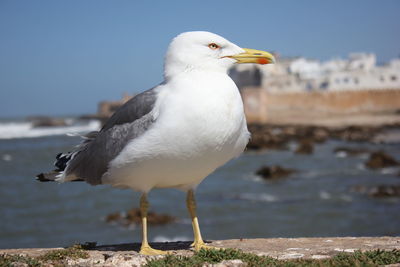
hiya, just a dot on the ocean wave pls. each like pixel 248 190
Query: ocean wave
pixel 263 197
pixel 254 178
pixel 325 195
pixel 390 170
pixel 161 238
pixel 11 130
pixel 6 157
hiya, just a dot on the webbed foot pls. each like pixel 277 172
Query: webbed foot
pixel 201 245
pixel 149 251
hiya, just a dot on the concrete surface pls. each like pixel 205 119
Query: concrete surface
pixel 281 248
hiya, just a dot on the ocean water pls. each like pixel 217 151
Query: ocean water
pixel 232 202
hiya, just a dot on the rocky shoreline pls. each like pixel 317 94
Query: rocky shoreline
pixel 278 248
pixel 274 136
pixel 305 137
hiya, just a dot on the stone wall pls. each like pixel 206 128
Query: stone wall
pixel 260 105
pixel 279 248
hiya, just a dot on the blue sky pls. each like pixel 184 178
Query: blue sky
pixel 63 57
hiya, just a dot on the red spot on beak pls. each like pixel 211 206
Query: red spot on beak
pixel 262 61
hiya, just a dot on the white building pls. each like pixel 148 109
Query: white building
pixel 358 72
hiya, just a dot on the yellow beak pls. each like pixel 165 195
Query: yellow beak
pixel 254 56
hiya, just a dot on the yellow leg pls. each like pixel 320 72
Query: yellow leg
pixel 198 240
pixel 145 249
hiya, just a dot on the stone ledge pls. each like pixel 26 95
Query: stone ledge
pixel 280 248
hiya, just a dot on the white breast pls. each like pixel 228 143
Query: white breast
pixel 199 127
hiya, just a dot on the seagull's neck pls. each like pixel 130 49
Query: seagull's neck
pixel 201 85
pixel 198 76
pixel 171 71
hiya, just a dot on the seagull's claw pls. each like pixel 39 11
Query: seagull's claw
pixel 149 251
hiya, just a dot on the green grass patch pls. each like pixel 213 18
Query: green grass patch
pixel 9 260
pixel 55 257
pixel 358 258
pixel 74 252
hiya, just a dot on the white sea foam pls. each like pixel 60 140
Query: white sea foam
pixel 6 157
pixel 360 166
pixel 312 174
pixel 254 178
pixel 389 170
pixel 341 154
pixel 346 198
pixel 325 195
pixel 263 197
pixel 12 130
pixel 161 238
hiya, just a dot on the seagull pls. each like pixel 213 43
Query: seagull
pixel 172 135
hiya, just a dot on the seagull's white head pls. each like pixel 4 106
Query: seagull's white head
pixel 207 51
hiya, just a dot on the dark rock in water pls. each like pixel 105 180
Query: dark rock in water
pixel 312 133
pixel 305 146
pixel 114 217
pixel 43 121
pixel 267 140
pixel 356 133
pixel 320 135
pixel 274 172
pixel 133 217
pixel 272 136
pixel 385 191
pixel 380 159
pixel 378 191
pixel 351 151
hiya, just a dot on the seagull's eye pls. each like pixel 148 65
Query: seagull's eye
pixel 214 46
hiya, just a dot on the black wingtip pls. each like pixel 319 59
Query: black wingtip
pixel 52 177
pixel 42 178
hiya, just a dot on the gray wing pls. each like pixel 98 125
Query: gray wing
pixel 131 120
pixel 134 109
